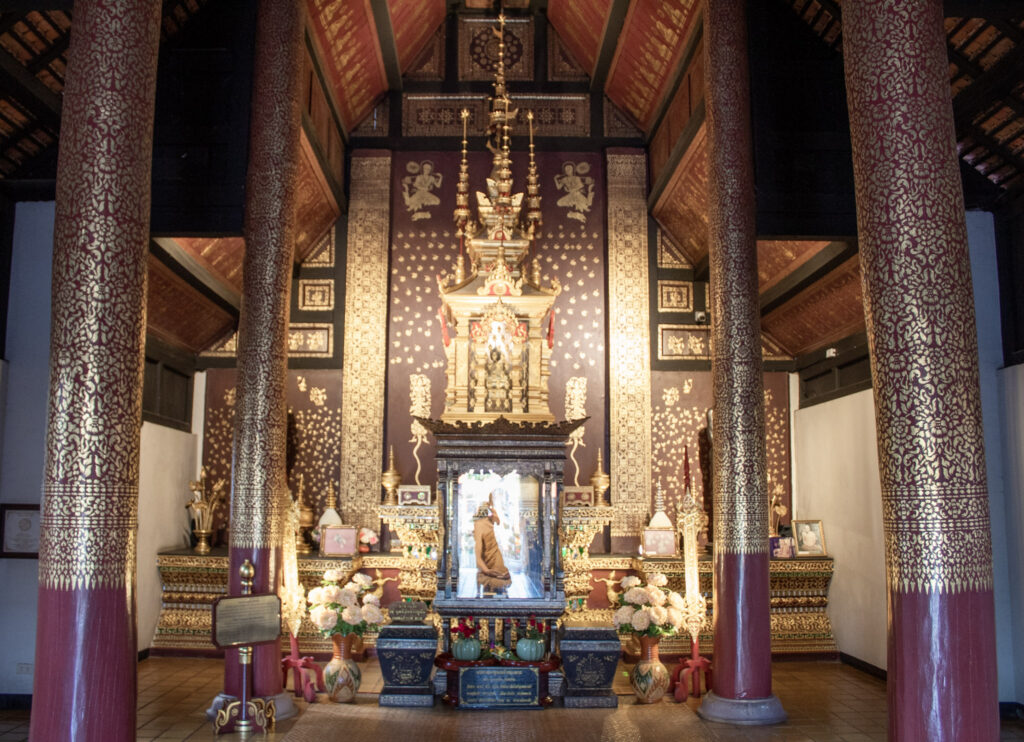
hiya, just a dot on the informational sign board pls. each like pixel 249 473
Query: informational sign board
pixel 408 612
pixel 499 687
pixel 246 619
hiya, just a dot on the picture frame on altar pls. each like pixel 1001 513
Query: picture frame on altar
pixel 659 542
pixel 339 541
pixel 19 531
pixel 781 547
pixel 414 494
pixel 809 538
pixel 577 496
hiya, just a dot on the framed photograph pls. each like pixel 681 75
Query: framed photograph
pixel 659 542
pixel 414 494
pixel 19 531
pixel 809 537
pixel 338 541
pixel 577 496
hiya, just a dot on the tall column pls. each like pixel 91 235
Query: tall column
pixel 919 307
pixel 259 476
pixel 86 649
pixel 742 658
pixel 629 360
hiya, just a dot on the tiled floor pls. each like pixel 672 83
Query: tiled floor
pixel 826 702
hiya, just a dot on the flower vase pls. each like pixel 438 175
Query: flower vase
pixel 530 650
pixel 466 649
pixel 649 677
pixel 342 675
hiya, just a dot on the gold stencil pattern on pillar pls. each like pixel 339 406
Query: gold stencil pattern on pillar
pixel 679 418
pixel 314 432
pixel 101 233
pixel 365 357
pixel 741 502
pixel 93 526
pixel 259 486
pixel 629 380
pixel 924 356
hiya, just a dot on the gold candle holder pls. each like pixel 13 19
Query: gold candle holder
pixel 600 481
pixel 390 479
pixel 204 502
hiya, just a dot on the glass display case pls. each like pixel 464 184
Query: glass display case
pixel 498 490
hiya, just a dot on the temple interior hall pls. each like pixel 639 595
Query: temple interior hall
pixel 353 350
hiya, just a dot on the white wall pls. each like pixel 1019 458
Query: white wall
pixel 166 463
pixel 985 276
pixel 837 478
pixel 167 460
pixel 1012 379
pixel 24 438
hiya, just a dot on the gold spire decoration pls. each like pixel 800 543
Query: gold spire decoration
pixel 533 215
pixel 499 361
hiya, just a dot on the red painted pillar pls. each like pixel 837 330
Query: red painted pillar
pixel 86 649
pixel 259 491
pixel 742 691
pixel 919 306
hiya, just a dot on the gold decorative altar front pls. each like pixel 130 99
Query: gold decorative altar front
pixel 192 582
pixel 799 595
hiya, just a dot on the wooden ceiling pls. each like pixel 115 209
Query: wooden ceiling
pixel 645 56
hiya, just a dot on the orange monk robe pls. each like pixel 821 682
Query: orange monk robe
pixel 490 566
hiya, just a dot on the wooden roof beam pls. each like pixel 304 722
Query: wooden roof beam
pixel 388 45
pixel 29 92
pixel 988 9
pixel 609 43
pixel 989 88
pixel 27 6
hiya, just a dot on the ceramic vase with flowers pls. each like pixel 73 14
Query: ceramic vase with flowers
pixel 465 643
pixel 532 635
pixel 649 612
pixel 343 614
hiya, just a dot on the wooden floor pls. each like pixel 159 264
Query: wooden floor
pixel 826 702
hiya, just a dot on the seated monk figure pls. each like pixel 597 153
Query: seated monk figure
pixel 491 573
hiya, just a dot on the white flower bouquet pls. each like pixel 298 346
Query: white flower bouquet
pixel 651 610
pixel 351 609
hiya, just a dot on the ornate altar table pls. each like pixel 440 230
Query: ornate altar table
pixel 799 597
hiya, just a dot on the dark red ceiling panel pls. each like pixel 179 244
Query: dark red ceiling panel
pixel 413 23
pixel 682 209
pixel 347 37
pixel 581 25
pixel 650 46
pixel 824 313
pixel 776 259
pixel 179 315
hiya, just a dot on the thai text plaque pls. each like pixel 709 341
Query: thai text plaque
pixel 499 687
pixel 246 619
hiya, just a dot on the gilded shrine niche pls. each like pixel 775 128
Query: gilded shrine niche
pixel 499 359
